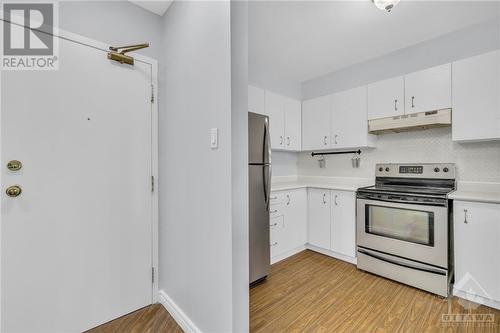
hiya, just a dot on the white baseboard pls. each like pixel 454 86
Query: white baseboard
pixel 179 316
pixel 478 299
pixel 333 254
pixel 287 254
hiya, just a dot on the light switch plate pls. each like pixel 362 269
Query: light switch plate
pixel 214 138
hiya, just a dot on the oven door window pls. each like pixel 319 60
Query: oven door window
pixel 413 226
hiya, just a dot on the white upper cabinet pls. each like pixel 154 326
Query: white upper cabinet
pixel 293 124
pixel 316 123
pixel 476 101
pixel 285 116
pixel 428 90
pixel 386 98
pixel 349 124
pixel 256 100
pixel 275 111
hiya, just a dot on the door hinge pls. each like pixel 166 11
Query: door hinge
pixel 152 274
pixel 152 183
pixel 152 93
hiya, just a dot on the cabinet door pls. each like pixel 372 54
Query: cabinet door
pixel 295 219
pixel 293 124
pixel 428 90
pixel 386 98
pixel 343 229
pixel 274 109
pixel 319 218
pixel 256 100
pixel 316 123
pixel 477 248
pixel 349 122
pixel 476 105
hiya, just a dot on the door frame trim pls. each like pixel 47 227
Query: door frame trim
pixel 72 37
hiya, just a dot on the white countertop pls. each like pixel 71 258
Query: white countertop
pixel 331 183
pixel 466 191
pixel 481 192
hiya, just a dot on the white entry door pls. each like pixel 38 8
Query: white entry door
pixel 76 245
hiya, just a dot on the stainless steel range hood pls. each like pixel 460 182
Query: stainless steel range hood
pixel 410 122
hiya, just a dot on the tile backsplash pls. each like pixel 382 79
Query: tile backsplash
pixel 479 161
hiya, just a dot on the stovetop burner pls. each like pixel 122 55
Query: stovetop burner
pixel 436 179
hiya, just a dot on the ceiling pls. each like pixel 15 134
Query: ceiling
pixel 158 7
pixel 300 40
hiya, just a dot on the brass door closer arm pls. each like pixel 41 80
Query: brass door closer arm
pixel 120 56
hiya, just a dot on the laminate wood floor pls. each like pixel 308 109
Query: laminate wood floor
pixel 151 319
pixel 310 292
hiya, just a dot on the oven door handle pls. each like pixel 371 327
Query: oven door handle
pixel 439 202
pixel 395 262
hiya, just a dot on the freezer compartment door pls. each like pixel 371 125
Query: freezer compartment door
pixel 258 222
pixel 259 144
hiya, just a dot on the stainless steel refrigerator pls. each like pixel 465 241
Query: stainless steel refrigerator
pixel 259 173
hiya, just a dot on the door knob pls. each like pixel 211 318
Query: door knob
pixel 14 191
pixel 14 165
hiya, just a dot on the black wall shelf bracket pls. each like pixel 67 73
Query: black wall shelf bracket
pixel 337 152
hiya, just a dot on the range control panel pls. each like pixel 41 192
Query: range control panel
pixel 411 170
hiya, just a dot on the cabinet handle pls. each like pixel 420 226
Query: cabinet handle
pixel 281 140
pixel 288 141
pixel 274 244
pixel 412 101
pixel 335 138
pixel 324 198
pixel 395 105
pixel 288 199
pixel 325 140
pixel 273 211
pixel 465 216
pixel 335 200
pixel 274 224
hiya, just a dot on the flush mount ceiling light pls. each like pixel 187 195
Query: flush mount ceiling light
pixel 386 5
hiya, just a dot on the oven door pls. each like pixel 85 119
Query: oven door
pixel 412 231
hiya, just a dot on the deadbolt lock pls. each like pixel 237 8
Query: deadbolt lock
pixel 14 191
pixel 14 165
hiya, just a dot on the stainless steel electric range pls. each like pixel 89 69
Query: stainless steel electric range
pixel 403 225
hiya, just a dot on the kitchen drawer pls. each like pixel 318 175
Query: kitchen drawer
pixel 276 210
pixel 277 223
pixel 277 197
pixel 276 228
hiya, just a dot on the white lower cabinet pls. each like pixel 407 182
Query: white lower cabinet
pixel 332 222
pixel 288 223
pixel 343 223
pixel 477 251
pixel 319 218
pixel 322 218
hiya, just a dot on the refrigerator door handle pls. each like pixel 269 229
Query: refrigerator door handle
pixel 267 163
pixel 269 186
pixel 267 143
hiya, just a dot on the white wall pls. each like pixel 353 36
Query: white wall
pixel 117 23
pixel 239 163
pixel 475 161
pixel 285 163
pixel 461 44
pixel 196 213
